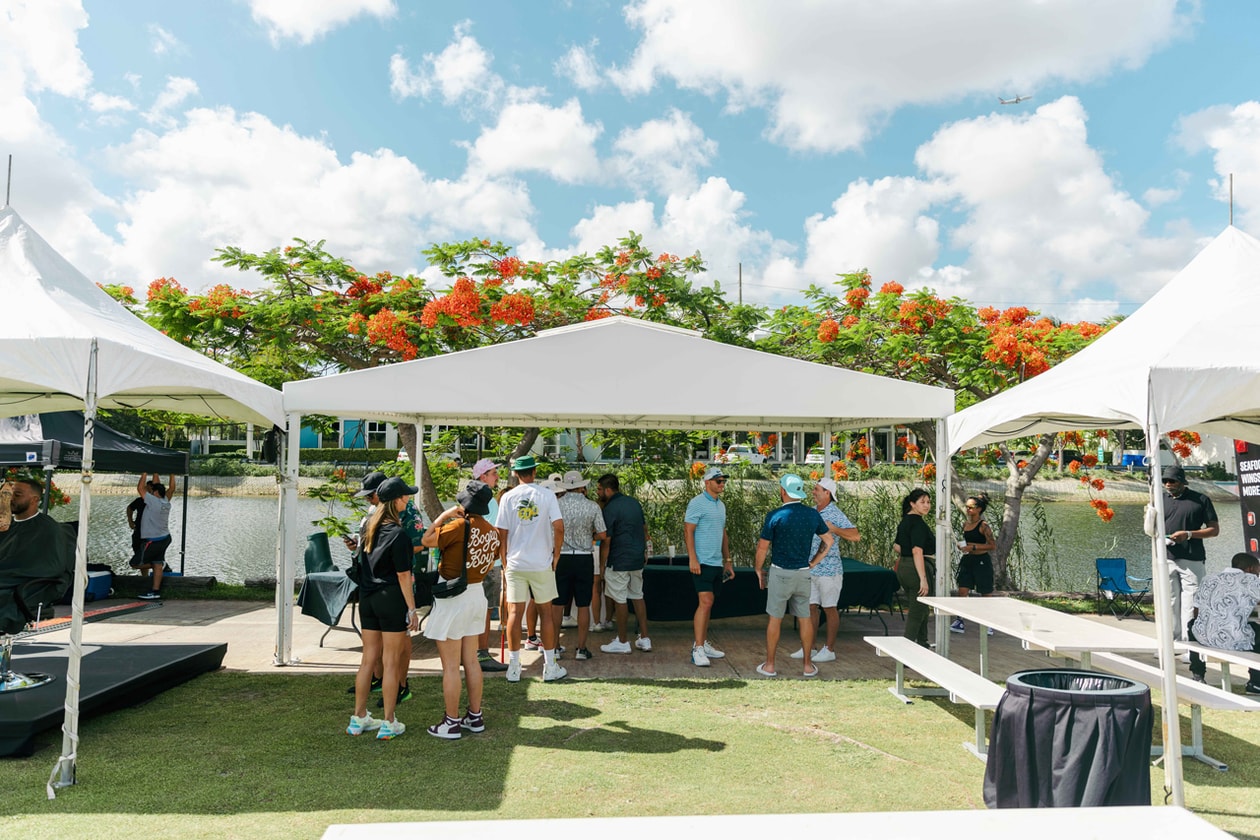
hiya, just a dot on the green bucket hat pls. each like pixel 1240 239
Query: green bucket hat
pixel 525 462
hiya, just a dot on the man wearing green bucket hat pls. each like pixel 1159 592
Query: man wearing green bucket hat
pixel 531 528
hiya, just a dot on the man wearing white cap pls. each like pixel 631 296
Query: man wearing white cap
pixel 575 573
pixel 709 557
pixel 487 472
pixel 827 578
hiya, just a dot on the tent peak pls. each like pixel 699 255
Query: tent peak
pixel 617 320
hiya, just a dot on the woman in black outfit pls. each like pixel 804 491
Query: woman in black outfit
pixel 975 569
pixel 915 547
pixel 387 608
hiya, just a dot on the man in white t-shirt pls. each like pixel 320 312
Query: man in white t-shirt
pixel 155 530
pixel 532 532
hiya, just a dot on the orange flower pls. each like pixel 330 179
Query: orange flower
pixel 697 469
pixel 815 475
pixel 1089 460
pixel 828 330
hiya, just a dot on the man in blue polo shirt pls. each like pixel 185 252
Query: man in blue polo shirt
pixel 788 535
pixel 709 556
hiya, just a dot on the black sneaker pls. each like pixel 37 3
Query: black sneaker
pixel 489 664
pixel 582 653
pixel 150 596
pixel 1199 678
pixel 1252 688
pixel 376 686
pixel 404 693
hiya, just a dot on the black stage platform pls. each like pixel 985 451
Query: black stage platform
pixel 111 677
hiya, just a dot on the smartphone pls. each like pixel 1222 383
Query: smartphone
pixel 728 574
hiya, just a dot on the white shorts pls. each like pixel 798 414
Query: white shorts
pixel 521 586
pixel 458 617
pixel 825 590
pixel 623 586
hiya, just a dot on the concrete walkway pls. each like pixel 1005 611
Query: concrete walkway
pixel 249 629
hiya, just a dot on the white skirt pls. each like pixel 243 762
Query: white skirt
pixel 455 618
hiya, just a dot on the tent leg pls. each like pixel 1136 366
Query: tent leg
pixel 183 527
pixel 286 552
pixel 944 536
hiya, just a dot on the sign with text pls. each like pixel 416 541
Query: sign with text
pixel 1247 461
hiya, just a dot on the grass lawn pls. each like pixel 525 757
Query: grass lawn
pixel 259 756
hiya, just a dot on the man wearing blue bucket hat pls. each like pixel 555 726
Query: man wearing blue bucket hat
pixel 787 536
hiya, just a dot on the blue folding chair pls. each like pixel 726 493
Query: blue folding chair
pixel 1115 590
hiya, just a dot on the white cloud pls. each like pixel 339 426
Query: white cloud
pixel 1232 133
pixel 102 102
pixel 1156 196
pixel 532 136
pixel 829 73
pixel 177 90
pixel 226 179
pixel 163 41
pixel 664 154
pixel 307 20
pixel 579 67
pixel 461 73
pixel 39 47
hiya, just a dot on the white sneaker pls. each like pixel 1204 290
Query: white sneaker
pixel 568 621
pixel 712 652
pixel 990 631
pixel 359 725
pixel 957 626
pixel 554 672
pixel 514 671
pixel 824 655
pixel 698 657
pixel 616 646
pixel 799 654
pixel 643 644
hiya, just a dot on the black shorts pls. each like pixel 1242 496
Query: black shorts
pixel 383 610
pixel 575 578
pixel 709 579
pixel 975 571
pixel 153 552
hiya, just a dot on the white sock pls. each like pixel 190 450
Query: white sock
pixel 549 658
pixel 514 656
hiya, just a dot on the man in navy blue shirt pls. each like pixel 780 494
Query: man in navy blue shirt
pixel 787 536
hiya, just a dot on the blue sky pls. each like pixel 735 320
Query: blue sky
pixel 799 139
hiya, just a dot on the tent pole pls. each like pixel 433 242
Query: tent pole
pixel 183 526
pixel 1164 618
pixel 944 531
pixel 286 551
pixel 63 772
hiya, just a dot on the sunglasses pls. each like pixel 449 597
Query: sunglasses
pixel 971 507
pixel 718 480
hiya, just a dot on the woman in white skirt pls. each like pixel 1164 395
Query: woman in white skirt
pixel 455 623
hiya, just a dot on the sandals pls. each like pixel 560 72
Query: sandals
pixel 812 673
pixel 761 669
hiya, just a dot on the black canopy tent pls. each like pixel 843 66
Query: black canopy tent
pixel 54 441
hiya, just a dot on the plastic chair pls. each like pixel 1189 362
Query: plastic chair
pixel 1114 589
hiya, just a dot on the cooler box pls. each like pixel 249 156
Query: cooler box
pixel 98 586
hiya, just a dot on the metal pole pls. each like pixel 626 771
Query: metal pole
pixel 741 283
pixel 183 526
pixel 8 182
pixel 944 537
pixel 1231 199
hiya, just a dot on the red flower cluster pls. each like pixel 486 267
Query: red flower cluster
pixel 1104 511
pixel 508 267
pixel 513 309
pixel 891 288
pixel 463 303
pixel 1090 461
pixel 363 287
pixel 849 321
pixel 856 298
pixel 1074 466
pixel 385 328
pixel 697 469
pixel 828 330
pixel 594 314
pixel 928 471
pixel 164 288
pixel 1183 442
pixel 839 470
pixel 917 317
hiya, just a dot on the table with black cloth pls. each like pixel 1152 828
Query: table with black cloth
pixel 324 596
pixel 670 595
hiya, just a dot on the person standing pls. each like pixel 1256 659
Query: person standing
pixel 708 557
pixel 827 578
pixel 155 530
pixel 531 533
pixel 787 537
pixel 134 512
pixel 975 569
pixel 1189 519
pixel 575 573
pixel 466 539
pixel 367 490
pixel 621 560
pixel 915 549
pixel 387 609
pixel 487 472
pixel 1223 607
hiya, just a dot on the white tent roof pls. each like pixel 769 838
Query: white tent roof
pixel 1190 339
pixel 620 373
pixel 53 313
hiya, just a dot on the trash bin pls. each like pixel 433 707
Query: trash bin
pixel 1070 738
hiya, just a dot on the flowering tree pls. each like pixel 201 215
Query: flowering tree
pixel 920 337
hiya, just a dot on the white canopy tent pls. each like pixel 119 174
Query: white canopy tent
pixel 1181 361
pixel 614 373
pixel 66 344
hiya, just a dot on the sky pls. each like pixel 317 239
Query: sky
pixel 787 141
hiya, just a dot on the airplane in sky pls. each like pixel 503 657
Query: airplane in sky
pixel 1014 101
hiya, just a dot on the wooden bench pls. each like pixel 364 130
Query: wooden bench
pixel 1224 658
pixel 956 682
pixel 1196 694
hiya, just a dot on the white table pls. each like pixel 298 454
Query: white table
pixel 1039 628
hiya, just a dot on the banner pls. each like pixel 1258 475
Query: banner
pixel 1247 460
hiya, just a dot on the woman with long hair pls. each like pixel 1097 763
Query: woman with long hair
pixel 975 569
pixel 915 547
pixel 387 609
pixel 468 541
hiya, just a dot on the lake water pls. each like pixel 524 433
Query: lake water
pixel 234 538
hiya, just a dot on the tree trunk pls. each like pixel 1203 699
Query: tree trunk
pixel 581 459
pixel 428 501
pixel 527 441
pixel 926 434
pixel 1017 482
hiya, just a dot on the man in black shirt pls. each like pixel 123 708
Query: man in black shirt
pixel 134 511
pixel 33 546
pixel 1189 519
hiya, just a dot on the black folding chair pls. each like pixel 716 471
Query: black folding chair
pixel 1115 591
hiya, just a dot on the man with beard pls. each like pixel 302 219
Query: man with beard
pixel 33 546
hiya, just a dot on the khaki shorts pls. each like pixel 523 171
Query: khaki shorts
pixel 521 586
pixel 824 590
pixel 787 590
pixel 623 586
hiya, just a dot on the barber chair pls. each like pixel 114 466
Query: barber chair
pixel 33 600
